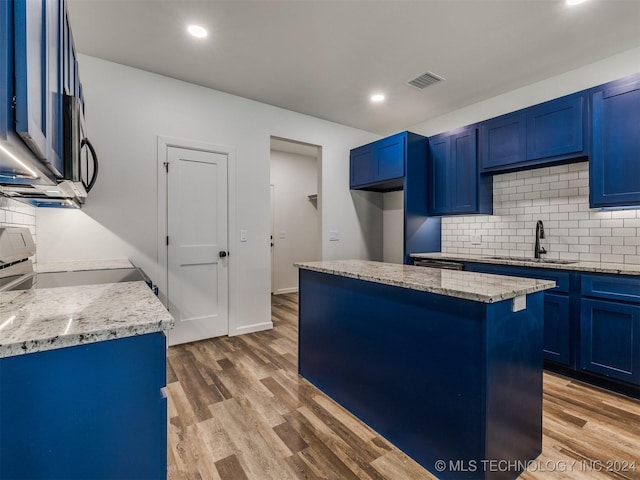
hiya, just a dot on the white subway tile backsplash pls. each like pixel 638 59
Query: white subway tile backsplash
pixel 631 222
pixel 559 196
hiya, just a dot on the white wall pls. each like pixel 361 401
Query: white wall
pixel 559 196
pixel 127 109
pixel 296 224
pixel 393 227
pixel 606 70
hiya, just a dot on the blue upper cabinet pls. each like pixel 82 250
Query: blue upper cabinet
pixel 455 184
pixel 70 80
pixel 551 132
pixel 504 141
pixel 31 74
pixel 54 23
pixel 32 33
pixel 614 169
pixel 6 74
pixel 379 166
pixel 556 128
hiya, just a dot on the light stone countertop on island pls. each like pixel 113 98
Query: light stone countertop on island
pixel 78 265
pixel 589 267
pixel 478 287
pixel 49 318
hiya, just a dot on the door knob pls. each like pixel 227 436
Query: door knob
pixel 222 254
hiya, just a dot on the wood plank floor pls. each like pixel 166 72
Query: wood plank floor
pixel 238 410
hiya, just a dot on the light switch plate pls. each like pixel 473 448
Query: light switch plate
pixel 282 235
pixel 334 236
pixel 476 240
pixel 243 235
pixel 519 303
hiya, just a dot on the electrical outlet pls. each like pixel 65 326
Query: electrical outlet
pixel 334 236
pixel 519 303
pixel 476 240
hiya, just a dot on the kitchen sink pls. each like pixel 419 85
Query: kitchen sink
pixel 536 260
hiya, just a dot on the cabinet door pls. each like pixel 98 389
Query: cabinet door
pixel 54 87
pixel 390 157
pixel 463 178
pixel 6 68
pixel 438 173
pixel 504 141
pixel 31 74
pixel 555 128
pixel 88 411
pixel 557 341
pixel 71 83
pixel 379 166
pixel 610 339
pixel 614 167
pixel 363 166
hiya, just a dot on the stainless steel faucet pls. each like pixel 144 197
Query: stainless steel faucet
pixel 539 250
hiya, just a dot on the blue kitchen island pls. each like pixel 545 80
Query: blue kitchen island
pixel 447 365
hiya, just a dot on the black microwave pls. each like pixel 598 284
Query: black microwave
pixel 80 159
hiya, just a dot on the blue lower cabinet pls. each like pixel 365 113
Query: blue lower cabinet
pixel 559 316
pixel 557 328
pixel 94 411
pixel 610 339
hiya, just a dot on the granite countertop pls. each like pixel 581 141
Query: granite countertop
pixel 77 265
pixel 49 318
pixel 480 287
pixel 593 267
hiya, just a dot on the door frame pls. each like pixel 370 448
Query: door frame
pixel 163 144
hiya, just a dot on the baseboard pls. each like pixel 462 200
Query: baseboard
pixel 282 291
pixel 256 327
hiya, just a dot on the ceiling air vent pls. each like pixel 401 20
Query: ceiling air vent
pixel 425 80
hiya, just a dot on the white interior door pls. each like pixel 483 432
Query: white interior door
pixel 197 284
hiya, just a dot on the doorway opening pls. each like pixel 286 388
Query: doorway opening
pixel 296 204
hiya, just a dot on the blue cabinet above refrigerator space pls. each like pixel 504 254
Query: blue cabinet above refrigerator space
pixel 379 166
pixel 399 162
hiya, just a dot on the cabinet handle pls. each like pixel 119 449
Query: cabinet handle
pixel 94 177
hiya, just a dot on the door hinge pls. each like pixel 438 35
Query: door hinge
pixel 167 239
pixel 166 166
pixel 13 102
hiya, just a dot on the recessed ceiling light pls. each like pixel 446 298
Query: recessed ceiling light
pixel 377 98
pixel 197 31
pixel 575 2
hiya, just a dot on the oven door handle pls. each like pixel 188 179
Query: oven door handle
pixel 94 177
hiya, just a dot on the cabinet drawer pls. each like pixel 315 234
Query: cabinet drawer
pixel 612 287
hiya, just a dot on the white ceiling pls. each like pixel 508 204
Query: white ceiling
pixel 326 57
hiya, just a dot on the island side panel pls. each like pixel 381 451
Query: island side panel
pixel 514 385
pixel 410 364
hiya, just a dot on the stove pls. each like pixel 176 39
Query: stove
pixel 17 272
